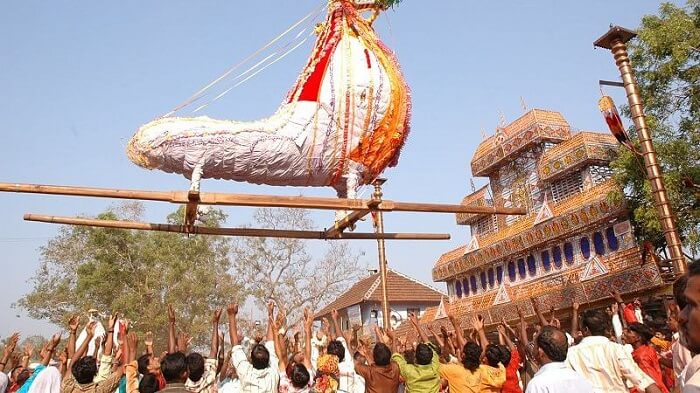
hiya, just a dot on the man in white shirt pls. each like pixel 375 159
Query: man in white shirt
pixel 689 322
pixel 349 381
pixel 603 363
pixel 260 374
pixel 554 376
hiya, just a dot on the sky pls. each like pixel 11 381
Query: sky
pixel 78 77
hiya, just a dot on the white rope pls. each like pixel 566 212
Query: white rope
pixel 228 72
pixel 254 74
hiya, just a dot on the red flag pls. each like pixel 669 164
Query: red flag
pixel 612 117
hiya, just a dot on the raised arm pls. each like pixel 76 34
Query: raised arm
pixel 523 327
pixel 458 331
pixel 109 341
pixel 336 325
pixel 272 330
pixel 308 325
pixel 214 349
pixel 507 341
pixel 80 352
pixel 50 349
pixel 9 348
pixel 172 341
pixel 148 342
pixel 440 341
pixel 574 318
pixel 416 326
pixel 478 325
pixel 540 316
pixel 232 312
pixel 73 324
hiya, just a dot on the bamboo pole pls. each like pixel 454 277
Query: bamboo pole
pixel 225 199
pixel 241 232
pixel 615 40
pixel 383 266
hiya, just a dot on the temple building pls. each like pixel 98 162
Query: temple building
pixel 574 243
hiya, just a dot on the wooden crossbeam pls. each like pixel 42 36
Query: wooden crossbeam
pixel 224 199
pixel 241 232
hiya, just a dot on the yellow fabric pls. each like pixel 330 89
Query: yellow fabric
pixel 492 378
pixel 460 379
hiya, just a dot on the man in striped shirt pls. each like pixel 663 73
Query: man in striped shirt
pixel 605 364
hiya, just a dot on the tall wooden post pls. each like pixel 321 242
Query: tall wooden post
pixel 615 40
pixel 379 228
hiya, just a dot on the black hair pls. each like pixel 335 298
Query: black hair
pixel 300 376
pixel 336 348
pixel 471 356
pixel 23 376
pixel 554 343
pixel 596 321
pixel 381 354
pixel 424 354
pixel 143 362
pixel 410 356
pixel 148 384
pixel 173 366
pixel 85 369
pixel 493 355
pixel 643 331
pixel 195 366
pixel 505 355
pixel 357 355
pixel 260 357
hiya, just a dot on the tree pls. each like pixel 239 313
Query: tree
pixel 666 58
pixel 136 273
pixel 284 270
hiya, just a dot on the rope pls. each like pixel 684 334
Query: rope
pixel 282 56
pixel 196 96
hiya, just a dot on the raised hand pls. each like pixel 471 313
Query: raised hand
pixel 535 304
pixel 614 308
pixel 356 327
pixel 477 323
pixel 148 339
pixel 55 339
pixel 28 350
pixel 113 320
pixel 413 318
pixel 232 309
pixel 521 315
pixel 12 342
pixel 501 330
pixel 171 313
pixel 90 329
pixel 216 317
pixel 334 314
pixel 575 305
pixel 98 341
pixel 308 318
pixel 74 322
pixel 63 356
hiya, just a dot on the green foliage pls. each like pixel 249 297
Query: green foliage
pixel 136 273
pixel 666 60
pixel 388 3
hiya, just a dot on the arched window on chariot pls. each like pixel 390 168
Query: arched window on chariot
pixel 482 277
pixel 492 278
pixel 585 247
pixel 569 253
pixel 465 287
pixel 546 262
pixel 531 265
pixel 511 271
pixel 598 243
pixel 521 268
pixel 458 288
pixel 472 281
pixel 556 254
pixel 613 245
pixel 499 274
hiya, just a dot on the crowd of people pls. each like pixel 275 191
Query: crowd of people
pixel 605 350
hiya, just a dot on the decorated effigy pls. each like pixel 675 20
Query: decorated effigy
pixel 341 124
